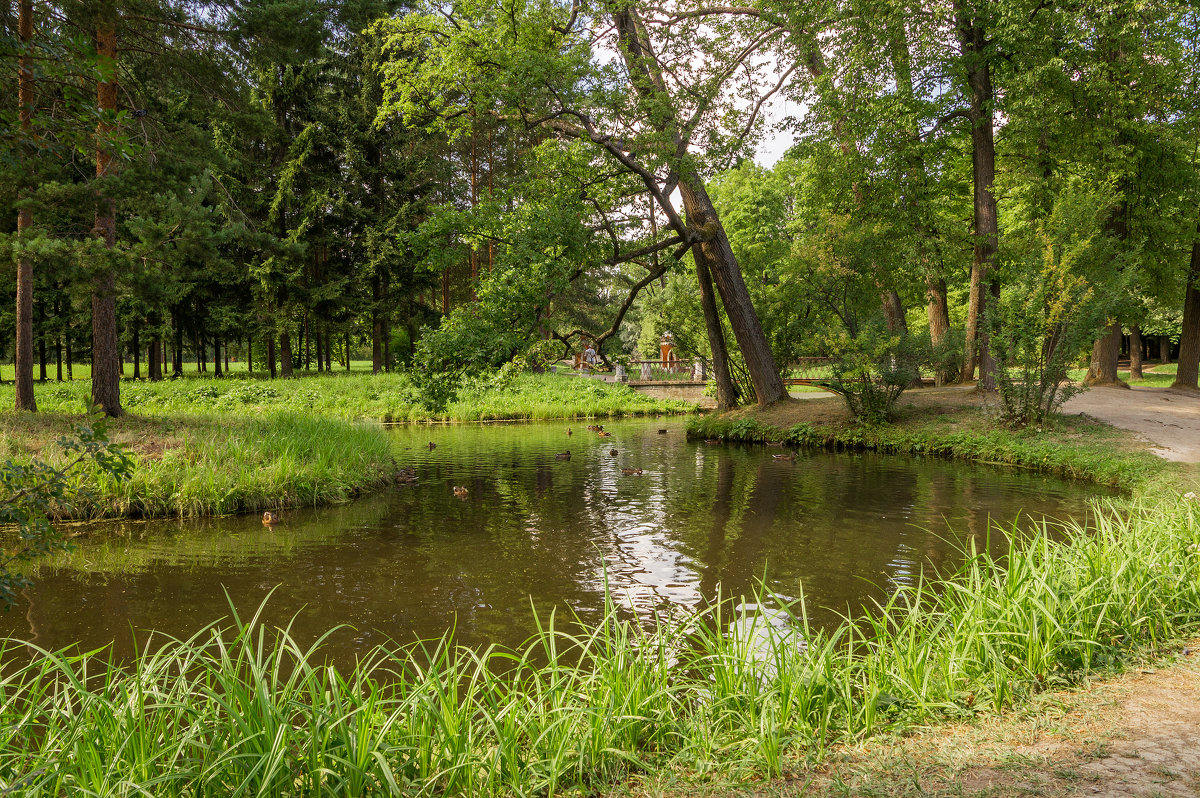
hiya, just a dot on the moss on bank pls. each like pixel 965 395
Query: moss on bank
pixel 950 426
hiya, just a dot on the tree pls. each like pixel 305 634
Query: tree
pixel 24 338
pixel 536 67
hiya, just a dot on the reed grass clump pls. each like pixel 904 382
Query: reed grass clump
pixel 252 711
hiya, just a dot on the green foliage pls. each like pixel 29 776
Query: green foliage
pixel 1047 317
pixel 33 491
pixel 871 370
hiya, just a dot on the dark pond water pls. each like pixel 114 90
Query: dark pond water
pixel 536 533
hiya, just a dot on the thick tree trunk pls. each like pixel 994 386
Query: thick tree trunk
pixel 271 356
pixel 177 355
pixel 893 312
pixel 1135 353
pixel 1164 350
pixel 1106 350
pixel 974 40
pixel 1189 336
pixel 23 360
pixel 285 354
pixel 726 394
pixel 328 352
pixel 155 359
pixel 938 309
pixel 106 381
pixel 714 249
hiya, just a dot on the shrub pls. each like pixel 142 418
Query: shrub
pixel 873 369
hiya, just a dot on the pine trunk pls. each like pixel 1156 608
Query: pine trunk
pixel 23 360
pixel 106 381
pixel 155 359
pixel 1189 336
pixel 217 372
pixel 285 354
pixel 137 353
pixel 271 356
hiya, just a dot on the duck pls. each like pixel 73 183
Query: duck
pixel 788 457
pixel 775 444
pixel 270 518
pixel 569 431
pixel 563 455
pixel 662 432
pixel 595 427
pixel 711 441
pixel 604 434
pixel 460 491
pixel 406 475
pixel 631 471
pixel 432 446
pixel 612 452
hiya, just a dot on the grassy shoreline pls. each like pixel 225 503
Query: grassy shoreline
pixel 216 447
pixel 951 427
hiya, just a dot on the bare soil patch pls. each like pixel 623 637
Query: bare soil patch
pixel 1169 419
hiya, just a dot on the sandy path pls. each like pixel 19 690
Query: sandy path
pixel 1168 419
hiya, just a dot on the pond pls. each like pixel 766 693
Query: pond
pixel 535 533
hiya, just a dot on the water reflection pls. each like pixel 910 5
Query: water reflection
pixel 535 533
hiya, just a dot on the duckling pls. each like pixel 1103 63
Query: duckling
pixel 569 431
pixel 270 518
pixel 604 434
pixel 788 457
pixel 634 471
pixel 595 427
pixel 432 446
pixel 711 441
pixel 662 432
pixel 460 491
pixel 612 452
pixel 563 455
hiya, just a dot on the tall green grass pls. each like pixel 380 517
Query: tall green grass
pixel 379 397
pixel 251 711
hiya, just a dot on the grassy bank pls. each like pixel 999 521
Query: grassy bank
pixel 253 713
pixel 951 426
pixel 190 465
pixel 207 447
pixel 377 397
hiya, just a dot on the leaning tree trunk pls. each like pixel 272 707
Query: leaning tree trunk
pixel 24 354
pixel 726 394
pixel 714 249
pixel 1189 336
pixel 106 378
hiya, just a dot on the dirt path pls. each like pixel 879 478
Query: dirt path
pixel 1137 735
pixel 1168 419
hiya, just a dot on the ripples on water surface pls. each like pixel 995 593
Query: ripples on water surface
pixel 536 533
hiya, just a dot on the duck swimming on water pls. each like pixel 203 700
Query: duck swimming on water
pixel 270 518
